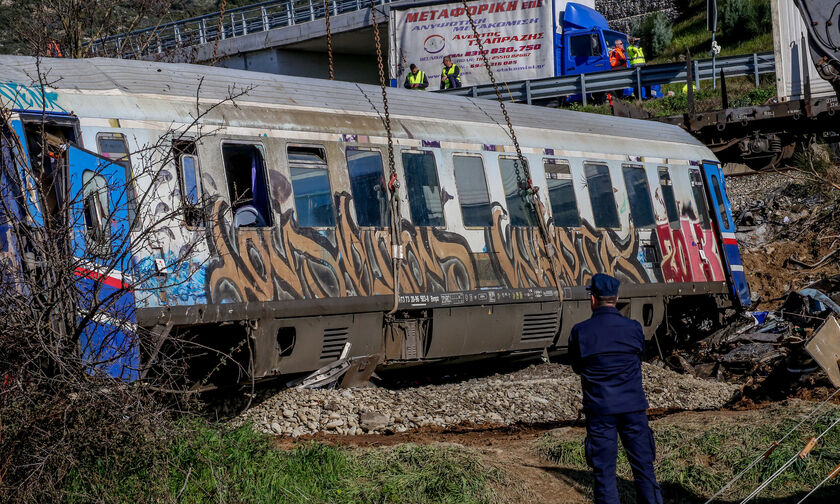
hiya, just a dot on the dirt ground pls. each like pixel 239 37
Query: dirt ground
pixel 768 276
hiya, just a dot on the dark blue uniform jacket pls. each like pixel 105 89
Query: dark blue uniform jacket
pixel 606 351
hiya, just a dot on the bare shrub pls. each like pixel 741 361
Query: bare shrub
pixel 80 382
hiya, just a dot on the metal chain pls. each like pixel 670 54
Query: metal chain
pixel 329 39
pixel 393 184
pixel 528 183
pixel 527 186
pixel 218 32
pixel 392 171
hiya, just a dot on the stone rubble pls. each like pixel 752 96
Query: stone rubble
pixel 537 394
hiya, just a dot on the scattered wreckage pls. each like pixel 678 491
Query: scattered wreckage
pixel 762 343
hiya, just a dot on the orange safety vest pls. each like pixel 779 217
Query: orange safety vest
pixel 53 50
pixel 618 58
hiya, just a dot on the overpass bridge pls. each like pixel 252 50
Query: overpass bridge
pixel 278 36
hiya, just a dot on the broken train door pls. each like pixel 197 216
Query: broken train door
pixel 100 221
pixel 725 224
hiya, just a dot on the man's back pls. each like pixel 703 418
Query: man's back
pixel 606 351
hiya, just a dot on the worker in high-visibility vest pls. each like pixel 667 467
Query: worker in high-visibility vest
pixel 635 53
pixel 618 59
pixel 636 58
pixel 416 79
pixel 685 88
pixel 450 76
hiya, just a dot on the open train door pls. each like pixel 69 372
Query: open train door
pixel 99 207
pixel 722 216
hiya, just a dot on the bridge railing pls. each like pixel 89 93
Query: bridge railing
pixel 235 23
pixel 612 80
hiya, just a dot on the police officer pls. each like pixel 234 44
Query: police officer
pixel 450 76
pixel 606 351
pixel 416 79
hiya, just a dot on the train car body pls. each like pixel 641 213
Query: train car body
pixel 276 229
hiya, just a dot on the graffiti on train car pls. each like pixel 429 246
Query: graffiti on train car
pixel 288 261
pixel 18 96
pixel 292 262
pixel 596 250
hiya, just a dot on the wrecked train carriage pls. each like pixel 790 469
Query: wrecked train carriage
pixel 282 245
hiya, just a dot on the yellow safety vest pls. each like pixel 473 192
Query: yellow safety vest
pixel 636 55
pixel 416 78
pixel 685 88
pixel 447 72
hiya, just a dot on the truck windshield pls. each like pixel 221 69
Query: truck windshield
pixel 611 37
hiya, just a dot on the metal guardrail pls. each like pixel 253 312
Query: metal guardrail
pixel 235 23
pixel 611 80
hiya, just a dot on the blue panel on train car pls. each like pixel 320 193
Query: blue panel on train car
pixel 722 212
pixel 11 209
pixel 33 210
pixel 102 247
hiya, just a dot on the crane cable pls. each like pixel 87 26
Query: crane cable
pixel 772 447
pixel 801 455
pixel 329 38
pixel 393 182
pixel 526 187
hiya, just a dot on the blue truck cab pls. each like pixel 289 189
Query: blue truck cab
pixel 583 45
pixel 585 42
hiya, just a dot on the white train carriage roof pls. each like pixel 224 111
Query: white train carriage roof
pixel 144 78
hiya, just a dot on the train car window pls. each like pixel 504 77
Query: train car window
pixel 638 192
pixel 96 212
pixel 367 183
pixel 311 186
pixel 191 190
pixel 668 194
pixel 423 187
pixel 114 147
pixel 719 198
pixel 189 181
pixel 472 191
pixel 601 195
pixel 700 197
pixel 561 193
pixel 246 179
pixel 520 211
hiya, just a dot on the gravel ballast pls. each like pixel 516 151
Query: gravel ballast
pixel 537 394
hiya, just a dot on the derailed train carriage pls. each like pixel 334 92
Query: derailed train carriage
pixel 283 197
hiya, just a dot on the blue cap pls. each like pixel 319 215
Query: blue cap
pixel 603 286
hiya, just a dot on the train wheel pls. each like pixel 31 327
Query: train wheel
pixel 772 161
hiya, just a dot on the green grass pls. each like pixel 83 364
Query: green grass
pixel 690 34
pixel 202 462
pixel 694 462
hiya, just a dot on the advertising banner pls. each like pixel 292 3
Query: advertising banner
pixel 517 36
